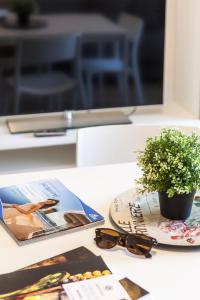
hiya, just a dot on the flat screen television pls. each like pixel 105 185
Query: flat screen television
pixel 140 23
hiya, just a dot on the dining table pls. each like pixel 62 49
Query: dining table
pixel 52 26
pixel 58 25
pixel 171 273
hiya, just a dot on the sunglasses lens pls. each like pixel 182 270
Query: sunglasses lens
pixel 106 238
pixel 139 245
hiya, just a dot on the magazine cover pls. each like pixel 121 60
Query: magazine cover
pixel 75 255
pixel 47 282
pixel 38 290
pixel 43 207
pixel 134 291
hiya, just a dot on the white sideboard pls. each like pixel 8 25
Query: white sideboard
pixel 171 112
pixel 24 152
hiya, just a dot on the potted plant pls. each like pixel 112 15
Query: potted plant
pixel 23 10
pixel 171 166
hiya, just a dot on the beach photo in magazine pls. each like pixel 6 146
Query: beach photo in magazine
pixel 42 207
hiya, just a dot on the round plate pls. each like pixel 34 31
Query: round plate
pixel 141 214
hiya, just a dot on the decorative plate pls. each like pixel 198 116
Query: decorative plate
pixel 141 214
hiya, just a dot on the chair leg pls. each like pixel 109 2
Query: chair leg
pixel 17 100
pixel 100 49
pixel 101 86
pixel 59 101
pixel 89 99
pixel 2 96
pixel 51 102
pixel 138 85
pixel 7 97
pixel 81 87
pixel 122 78
pixel 75 98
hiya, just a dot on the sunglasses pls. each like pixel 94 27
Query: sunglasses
pixel 138 244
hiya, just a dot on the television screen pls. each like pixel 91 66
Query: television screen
pixel 81 54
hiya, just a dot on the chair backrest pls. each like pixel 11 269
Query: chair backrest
pixel 47 51
pixel 133 25
pixel 117 43
pixel 116 143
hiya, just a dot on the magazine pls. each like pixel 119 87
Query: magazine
pixel 40 208
pixel 47 282
pixel 75 255
pixel 133 289
pixel 47 279
pixel 80 254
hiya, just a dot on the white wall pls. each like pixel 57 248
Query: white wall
pixel 169 75
pixel 182 73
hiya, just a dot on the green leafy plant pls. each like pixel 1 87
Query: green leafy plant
pixel 24 7
pixel 170 163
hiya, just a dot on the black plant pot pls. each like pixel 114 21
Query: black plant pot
pixel 23 20
pixel 177 207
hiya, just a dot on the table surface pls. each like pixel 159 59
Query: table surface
pixel 171 273
pixel 62 25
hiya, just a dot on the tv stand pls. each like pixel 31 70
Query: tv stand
pixel 66 120
pixel 93 118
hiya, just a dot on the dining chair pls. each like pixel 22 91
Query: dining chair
pixel 102 63
pixel 116 143
pixel 43 80
pixel 134 26
pixel 7 63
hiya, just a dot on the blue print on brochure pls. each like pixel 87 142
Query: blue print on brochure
pixel 42 207
pixel 91 213
pixel 12 195
pixel 67 200
pixel 1 210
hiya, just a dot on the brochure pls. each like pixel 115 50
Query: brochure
pixel 75 255
pixel 100 288
pixel 40 208
pixel 69 259
pixel 47 282
pixel 134 290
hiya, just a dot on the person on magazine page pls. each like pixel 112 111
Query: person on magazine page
pixel 43 207
pixel 21 219
pixel 29 208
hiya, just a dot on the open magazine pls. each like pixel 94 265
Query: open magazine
pixel 39 208
pixel 52 279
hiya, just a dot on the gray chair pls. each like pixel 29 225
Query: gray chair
pixel 7 64
pixel 114 63
pixel 44 80
pixel 134 26
pixel 113 144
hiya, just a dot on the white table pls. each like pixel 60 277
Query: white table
pixel 63 25
pixel 170 274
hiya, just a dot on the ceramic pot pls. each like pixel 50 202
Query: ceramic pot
pixel 23 20
pixel 177 207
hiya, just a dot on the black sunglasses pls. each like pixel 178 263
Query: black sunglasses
pixel 138 244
